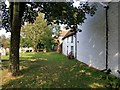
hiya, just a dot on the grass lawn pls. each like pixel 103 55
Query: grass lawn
pixel 52 70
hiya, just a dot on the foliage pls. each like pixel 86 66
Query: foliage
pixel 38 32
pixel 55 29
pixel 4 13
pixel 113 82
pixel 53 70
pixel 65 13
pixel 55 12
pixel 4 41
pixel 0 19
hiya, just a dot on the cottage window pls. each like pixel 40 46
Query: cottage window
pixel 72 49
pixel 72 39
pixel 67 50
pixel 67 39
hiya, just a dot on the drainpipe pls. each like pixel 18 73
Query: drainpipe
pixel 76 45
pixel 106 12
pixel 107 7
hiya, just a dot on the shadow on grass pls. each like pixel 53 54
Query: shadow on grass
pixel 53 70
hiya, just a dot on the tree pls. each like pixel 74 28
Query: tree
pixel 55 12
pixel 0 18
pixel 56 29
pixel 4 41
pixel 37 33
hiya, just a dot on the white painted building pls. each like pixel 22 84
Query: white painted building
pixel 91 42
pixel 89 46
pixel 69 43
pixel 2 51
pixel 114 33
pixel 26 49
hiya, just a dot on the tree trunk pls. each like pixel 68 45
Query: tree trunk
pixel 15 40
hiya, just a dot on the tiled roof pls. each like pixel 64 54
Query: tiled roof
pixel 69 33
pixel 63 33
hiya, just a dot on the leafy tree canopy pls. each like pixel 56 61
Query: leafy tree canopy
pixel 4 41
pixel 55 12
pixel 38 32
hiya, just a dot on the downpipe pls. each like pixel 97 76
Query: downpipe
pixel 107 39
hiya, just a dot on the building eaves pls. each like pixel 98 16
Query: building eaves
pixel 70 33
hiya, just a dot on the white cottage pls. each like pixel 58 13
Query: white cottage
pixel 2 51
pixel 97 44
pixel 69 43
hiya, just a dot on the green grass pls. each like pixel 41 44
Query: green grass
pixel 52 70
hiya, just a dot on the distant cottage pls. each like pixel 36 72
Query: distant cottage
pixel 2 51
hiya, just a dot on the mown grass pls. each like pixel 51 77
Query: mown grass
pixel 52 70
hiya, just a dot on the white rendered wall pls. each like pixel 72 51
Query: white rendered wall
pixel 91 41
pixel 113 37
pixel 64 47
pixel 69 44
